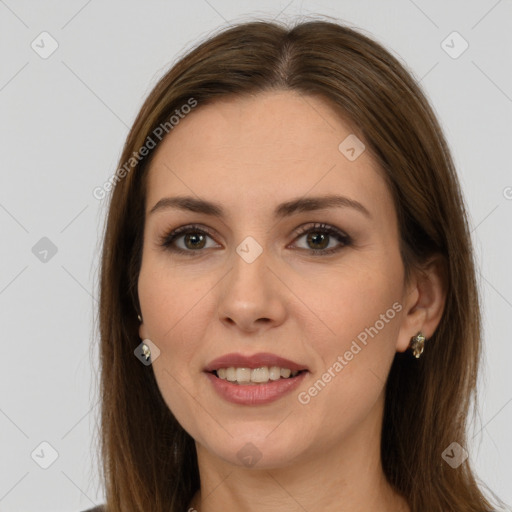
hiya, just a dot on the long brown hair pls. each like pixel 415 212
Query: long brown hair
pixel 148 460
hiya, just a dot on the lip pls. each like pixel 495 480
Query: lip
pixel 253 361
pixel 254 394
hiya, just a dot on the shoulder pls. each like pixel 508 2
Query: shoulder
pixel 99 508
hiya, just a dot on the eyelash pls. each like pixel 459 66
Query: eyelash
pixel 167 240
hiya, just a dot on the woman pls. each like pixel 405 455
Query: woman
pixel 287 257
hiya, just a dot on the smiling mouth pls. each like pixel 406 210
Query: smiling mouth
pixel 250 376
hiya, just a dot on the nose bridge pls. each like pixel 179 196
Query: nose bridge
pixel 250 262
pixel 251 292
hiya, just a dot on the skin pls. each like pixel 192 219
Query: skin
pixel 240 152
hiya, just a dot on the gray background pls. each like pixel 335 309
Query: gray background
pixel 62 126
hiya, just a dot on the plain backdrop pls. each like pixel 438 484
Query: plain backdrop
pixel 64 117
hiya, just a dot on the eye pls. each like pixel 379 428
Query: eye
pixel 318 237
pixel 193 237
pixel 190 240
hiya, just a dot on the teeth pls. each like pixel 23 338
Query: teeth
pixel 274 373
pixel 257 375
pixel 231 374
pixel 285 373
pixel 260 374
pixel 243 375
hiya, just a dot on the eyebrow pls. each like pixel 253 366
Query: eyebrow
pixel 189 203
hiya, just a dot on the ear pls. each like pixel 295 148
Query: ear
pixel 424 300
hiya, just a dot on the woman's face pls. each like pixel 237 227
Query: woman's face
pixel 254 279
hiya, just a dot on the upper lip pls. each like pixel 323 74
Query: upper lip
pixel 253 361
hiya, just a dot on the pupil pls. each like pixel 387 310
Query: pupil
pixel 195 238
pixel 318 237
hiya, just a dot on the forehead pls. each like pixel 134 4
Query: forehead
pixel 277 144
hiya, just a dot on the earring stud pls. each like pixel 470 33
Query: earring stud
pixel 417 344
pixel 146 351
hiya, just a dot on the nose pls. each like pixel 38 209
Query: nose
pixel 252 296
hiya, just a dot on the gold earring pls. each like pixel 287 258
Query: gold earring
pixel 417 344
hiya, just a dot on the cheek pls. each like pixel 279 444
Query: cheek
pixel 354 297
pixel 167 307
pixel 179 392
pixel 360 310
pixel 177 309
pixel 170 305
pixel 168 297
pixel 363 317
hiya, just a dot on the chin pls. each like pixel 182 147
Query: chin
pixel 258 452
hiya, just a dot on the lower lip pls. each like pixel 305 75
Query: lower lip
pixel 254 394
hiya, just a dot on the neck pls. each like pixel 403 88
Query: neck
pixel 341 478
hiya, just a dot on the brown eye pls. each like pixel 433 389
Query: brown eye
pixel 186 240
pixel 191 240
pixel 194 241
pixel 319 236
pixel 320 240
